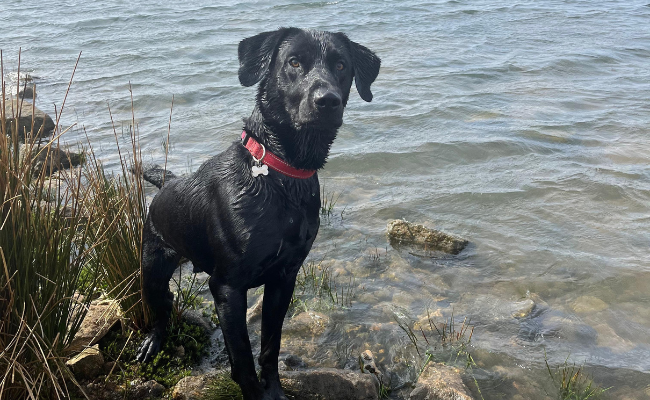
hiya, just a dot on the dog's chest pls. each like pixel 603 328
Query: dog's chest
pixel 290 222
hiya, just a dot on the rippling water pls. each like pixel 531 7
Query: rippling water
pixel 521 127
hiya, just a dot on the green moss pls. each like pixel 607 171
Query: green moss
pixel 186 344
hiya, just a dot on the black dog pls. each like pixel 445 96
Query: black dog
pixel 242 223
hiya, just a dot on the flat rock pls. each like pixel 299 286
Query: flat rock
pixel 329 384
pixel 24 114
pixel 400 231
pixel 440 382
pixel 87 364
pixel 100 318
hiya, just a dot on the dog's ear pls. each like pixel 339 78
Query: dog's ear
pixel 255 54
pixel 366 68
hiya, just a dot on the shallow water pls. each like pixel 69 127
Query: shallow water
pixel 521 127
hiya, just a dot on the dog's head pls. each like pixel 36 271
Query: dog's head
pixel 305 75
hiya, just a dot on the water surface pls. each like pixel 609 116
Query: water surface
pixel 521 126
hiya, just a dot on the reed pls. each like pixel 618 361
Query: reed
pixel 44 257
pixel 119 207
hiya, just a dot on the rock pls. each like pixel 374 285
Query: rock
pixel 329 384
pixel 27 91
pixel 194 317
pixel 400 231
pixel 53 159
pixel 588 305
pixel 523 308
pixel 87 364
pixel 254 313
pixel 24 115
pixel 440 382
pixel 191 387
pixel 148 390
pixel 291 362
pixel 105 391
pixel 100 318
pixel 307 323
pixel 369 365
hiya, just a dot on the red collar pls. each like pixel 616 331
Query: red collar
pixel 258 151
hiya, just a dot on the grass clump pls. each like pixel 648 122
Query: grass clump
pixel 222 388
pixel 119 205
pixel 184 347
pixel 317 287
pixel 446 342
pixel 571 382
pixel 45 253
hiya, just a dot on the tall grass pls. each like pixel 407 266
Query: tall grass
pixel 60 240
pixel 44 256
pixel 119 205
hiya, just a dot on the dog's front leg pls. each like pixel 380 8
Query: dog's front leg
pixel 277 296
pixel 230 304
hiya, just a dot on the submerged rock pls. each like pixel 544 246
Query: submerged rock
pixel 329 384
pixel 400 231
pixel 307 324
pixel 24 110
pixel 440 382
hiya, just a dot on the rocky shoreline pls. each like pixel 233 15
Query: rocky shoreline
pixel 362 381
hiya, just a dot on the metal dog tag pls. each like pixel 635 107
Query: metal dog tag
pixel 256 170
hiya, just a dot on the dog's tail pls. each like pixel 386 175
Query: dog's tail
pixel 157 175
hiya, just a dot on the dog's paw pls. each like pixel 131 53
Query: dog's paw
pixel 272 390
pixel 149 347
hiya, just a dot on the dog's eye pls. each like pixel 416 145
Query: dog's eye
pixel 294 62
pixel 340 66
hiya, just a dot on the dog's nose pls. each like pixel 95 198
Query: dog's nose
pixel 328 101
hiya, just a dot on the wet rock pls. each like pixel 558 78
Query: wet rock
pixel 307 323
pixel 291 362
pixel 368 364
pixel 87 364
pixel 440 382
pixel 53 159
pixel 100 318
pixel 192 387
pixel 523 308
pixel 23 110
pixel 588 305
pixel 570 328
pixel 27 91
pixel 254 313
pixel 400 231
pixel 329 384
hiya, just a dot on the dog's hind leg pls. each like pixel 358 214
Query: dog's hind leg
pixel 277 296
pixel 230 304
pixel 158 264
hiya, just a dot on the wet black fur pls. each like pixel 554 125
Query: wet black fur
pixel 246 231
